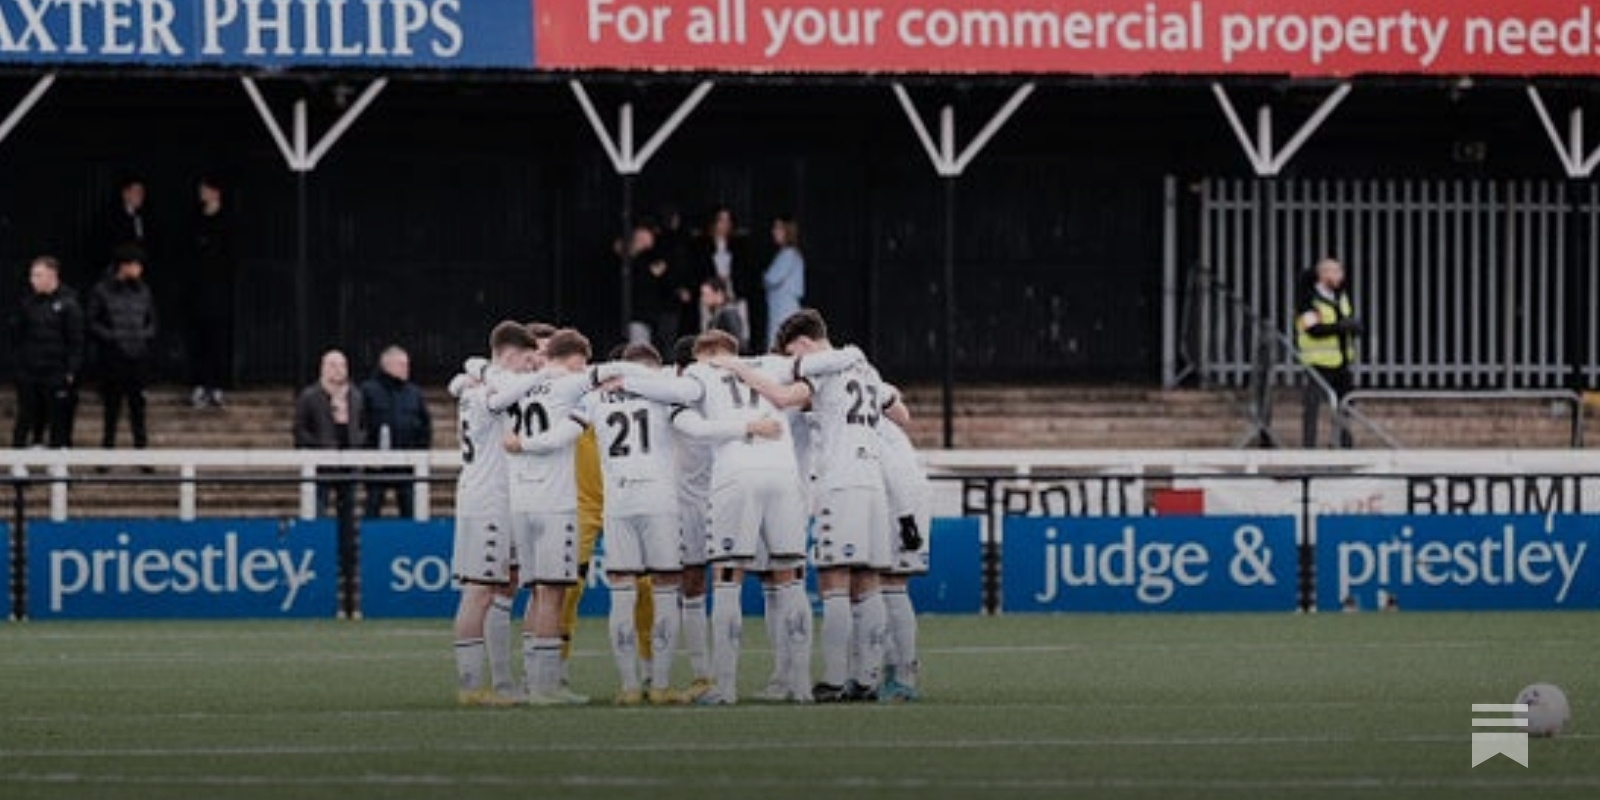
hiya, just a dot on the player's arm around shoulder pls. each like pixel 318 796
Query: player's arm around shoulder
pixel 771 377
pixel 561 435
pixel 693 424
pixel 668 389
pixel 828 362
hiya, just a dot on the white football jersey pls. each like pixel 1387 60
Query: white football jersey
pixel 481 487
pixel 848 407
pixel 724 397
pixel 546 483
pixel 903 477
pixel 638 454
pixel 695 461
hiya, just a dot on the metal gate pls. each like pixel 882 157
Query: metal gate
pixel 1461 283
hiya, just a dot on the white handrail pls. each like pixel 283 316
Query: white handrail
pixel 56 468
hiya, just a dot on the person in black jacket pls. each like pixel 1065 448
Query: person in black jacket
pixel 397 419
pixel 209 293
pixel 724 252
pixel 122 319
pixel 331 415
pixel 47 332
pixel 720 313
pixel 128 223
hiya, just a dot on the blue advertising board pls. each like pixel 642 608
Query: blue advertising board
pixel 1148 564
pixel 403 34
pixel 101 569
pixel 405 572
pixel 954 583
pixel 1465 562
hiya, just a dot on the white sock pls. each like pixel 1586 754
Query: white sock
pixel 624 639
pixel 796 605
pixel 856 630
pixel 902 639
pixel 541 662
pixel 664 635
pixel 469 665
pixel 497 639
pixel 772 619
pixel 871 630
pixel 694 636
pixel 836 626
pixel 727 624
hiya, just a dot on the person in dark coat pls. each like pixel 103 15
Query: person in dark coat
pixel 724 252
pixel 128 223
pixel 209 299
pixel 331 415
pixel 721 315
pixel 659 294
pixel 122 319
pixel 47 333
pixel 397 419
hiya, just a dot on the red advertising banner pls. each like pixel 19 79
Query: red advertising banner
pixel 1088 37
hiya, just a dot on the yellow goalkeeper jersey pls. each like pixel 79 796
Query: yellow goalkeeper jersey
pixel 591 487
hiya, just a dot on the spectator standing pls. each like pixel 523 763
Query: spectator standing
pixel 331 415
pixel 724 253
pixel 397 419
pixel 720 313
pixel 122 320
pixel 659 297
pixel 1326 329
pixel 128 224
pixel 785 278
pixel 47 333
pixel 209 303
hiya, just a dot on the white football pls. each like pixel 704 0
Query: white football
pixel 1548 711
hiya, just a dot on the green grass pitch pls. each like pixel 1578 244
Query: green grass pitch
pixel 1330 706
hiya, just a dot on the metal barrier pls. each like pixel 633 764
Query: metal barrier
pixel 1462 283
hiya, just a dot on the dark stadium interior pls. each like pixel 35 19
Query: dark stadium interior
pixel 452 204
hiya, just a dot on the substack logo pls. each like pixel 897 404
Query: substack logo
pixel 1487 744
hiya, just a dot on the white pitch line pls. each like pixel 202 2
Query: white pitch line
pixel 761 707
pixel 735 747
pixel 837 782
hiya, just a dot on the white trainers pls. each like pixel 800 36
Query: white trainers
pixel 777 690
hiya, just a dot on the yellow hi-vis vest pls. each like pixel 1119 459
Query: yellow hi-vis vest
pixel 1331 351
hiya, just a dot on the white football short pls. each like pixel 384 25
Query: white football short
pixel 755 507
pixel 912 497
pixel 482 550
pixel 547 547
pixel 643 543
pixel 852 529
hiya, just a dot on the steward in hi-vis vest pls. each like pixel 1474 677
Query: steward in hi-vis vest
pixel 1326 328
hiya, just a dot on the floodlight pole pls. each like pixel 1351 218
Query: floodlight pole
pixel 302 157
pixel 950 163
pixel 629 161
